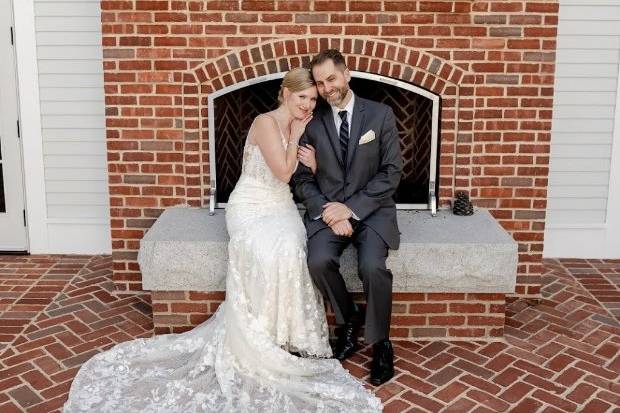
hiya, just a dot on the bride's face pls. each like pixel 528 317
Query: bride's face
pixel 300 104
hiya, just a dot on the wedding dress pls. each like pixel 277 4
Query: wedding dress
pixel 238 360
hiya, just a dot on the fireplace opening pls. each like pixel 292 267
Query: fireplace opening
pixel 232 110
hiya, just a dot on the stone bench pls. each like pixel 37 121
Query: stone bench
pixel 451 273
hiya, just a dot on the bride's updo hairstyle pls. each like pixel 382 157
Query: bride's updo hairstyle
pixel 295 80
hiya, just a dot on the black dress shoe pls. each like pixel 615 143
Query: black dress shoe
pixel 382 367
pixel 347 340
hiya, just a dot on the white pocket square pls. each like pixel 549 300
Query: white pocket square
pixel 367 137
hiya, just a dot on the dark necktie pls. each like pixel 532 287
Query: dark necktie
pixel 344 134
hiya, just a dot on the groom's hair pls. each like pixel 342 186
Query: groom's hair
pixel 327 54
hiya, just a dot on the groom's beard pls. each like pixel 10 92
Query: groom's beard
pixel 338 96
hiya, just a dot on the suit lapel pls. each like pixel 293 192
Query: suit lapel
pixel 328 121
pixel 357 122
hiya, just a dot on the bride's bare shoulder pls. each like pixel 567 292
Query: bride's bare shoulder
pixel 264 117
pixel 262 125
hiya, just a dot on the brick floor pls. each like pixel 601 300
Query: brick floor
pixel 600 277
pixel 28 285
pixel 559 355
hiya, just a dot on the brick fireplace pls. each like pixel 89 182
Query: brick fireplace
pixel 490 62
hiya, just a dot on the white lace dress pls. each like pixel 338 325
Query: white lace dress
pixel 238 360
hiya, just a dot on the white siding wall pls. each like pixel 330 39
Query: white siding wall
pixel 584 125
pixel 69 57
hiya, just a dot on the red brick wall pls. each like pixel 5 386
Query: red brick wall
pixel 414 315
pixel 491 61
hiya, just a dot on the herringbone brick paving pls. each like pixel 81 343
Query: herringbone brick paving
pixel 559 355
pixel 28 285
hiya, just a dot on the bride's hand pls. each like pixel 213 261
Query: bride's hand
pixel 307 156
pixel 298 126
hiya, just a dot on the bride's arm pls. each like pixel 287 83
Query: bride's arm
pixel 306 187
pixel 281 162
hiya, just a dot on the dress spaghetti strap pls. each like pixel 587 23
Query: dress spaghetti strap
pixel 277 126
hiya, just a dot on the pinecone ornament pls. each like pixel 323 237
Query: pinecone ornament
pixel 462 205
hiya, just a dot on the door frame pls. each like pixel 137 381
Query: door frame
pixel 30 120
pixel 16 241
pixel 612 219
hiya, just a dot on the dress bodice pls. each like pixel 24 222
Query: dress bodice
pixel 255 166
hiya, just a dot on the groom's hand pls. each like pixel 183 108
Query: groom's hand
pixel 334 212
pixel 342 228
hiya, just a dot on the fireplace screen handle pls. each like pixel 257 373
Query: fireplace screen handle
pixel 212 197
pixel 432 199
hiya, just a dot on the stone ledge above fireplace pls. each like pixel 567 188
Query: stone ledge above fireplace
pixel 186 250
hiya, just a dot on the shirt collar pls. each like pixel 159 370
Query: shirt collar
pixel 348 107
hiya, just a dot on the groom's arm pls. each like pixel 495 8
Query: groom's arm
pixel 384 183
pixel 306 188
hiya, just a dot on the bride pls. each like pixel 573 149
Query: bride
pixel 243 358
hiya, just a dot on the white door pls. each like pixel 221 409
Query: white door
pixel 12 215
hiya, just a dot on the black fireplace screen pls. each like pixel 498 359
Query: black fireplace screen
pixel 235 111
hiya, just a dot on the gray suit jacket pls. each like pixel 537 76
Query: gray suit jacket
pixel 365 181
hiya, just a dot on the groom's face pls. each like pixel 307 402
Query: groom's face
pixel 332 81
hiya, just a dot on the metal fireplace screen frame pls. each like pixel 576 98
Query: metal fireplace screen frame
pixel 418 139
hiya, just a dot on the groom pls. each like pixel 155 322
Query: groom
pixel 349 200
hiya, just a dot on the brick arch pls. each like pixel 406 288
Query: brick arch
pixel 367 55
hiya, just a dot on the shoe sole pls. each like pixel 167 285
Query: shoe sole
pixel 378 382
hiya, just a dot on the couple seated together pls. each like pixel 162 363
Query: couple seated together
pixel 266 348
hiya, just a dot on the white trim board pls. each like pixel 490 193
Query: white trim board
pixel 580 243
pixel 613 198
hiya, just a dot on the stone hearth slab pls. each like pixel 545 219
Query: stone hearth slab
pixel 186 250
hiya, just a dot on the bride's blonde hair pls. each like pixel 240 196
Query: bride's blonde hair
pixel 295 80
